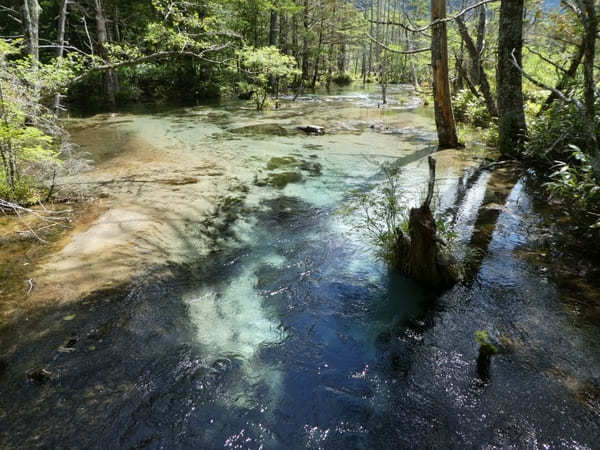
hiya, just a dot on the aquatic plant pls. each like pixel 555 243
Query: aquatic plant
pixel 406 239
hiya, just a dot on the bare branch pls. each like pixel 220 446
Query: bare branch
pixel 549 61
pixel 438 21
pixel 401 52
pixel 154 57
pixel 539 84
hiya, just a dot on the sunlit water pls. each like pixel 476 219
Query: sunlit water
pixel 294 335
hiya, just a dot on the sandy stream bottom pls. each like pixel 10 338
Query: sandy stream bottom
pixel 159 209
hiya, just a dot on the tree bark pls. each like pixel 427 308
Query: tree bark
pixel 273 27
pixel 475 57
pixel 511 124
pixel 477 69
pixel 444 118
pixel 305 48
pixel 62 21
pixel 31 16
pixel 109 78
pixel 283 33
pixel 590 23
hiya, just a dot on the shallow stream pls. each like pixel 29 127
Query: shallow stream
pixel 292 334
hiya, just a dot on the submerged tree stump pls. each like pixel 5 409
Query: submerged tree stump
pixel 418 254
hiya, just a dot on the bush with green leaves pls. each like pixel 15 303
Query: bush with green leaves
pixel 29 135
pixel 552 132
pixel 342 78
pixel 471 109
pixel 265 68
pixel 575 183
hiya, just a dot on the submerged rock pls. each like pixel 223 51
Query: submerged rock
pixel 261 129
pixel 282 179
pixel 39 375
pixel 314 168
pixel 277 162
pixel 312 129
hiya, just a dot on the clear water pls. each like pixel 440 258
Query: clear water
pixel 294 335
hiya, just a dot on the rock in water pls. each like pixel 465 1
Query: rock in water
pixel 39 376
pixel 312 129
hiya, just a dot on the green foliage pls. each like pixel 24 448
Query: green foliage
pixel 26 143
pixel 576 184
pixel 470 109
pixel 383 214
pixel 342 78
pixel 264 67
pixel 551 133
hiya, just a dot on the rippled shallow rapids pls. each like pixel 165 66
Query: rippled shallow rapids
pixel 293 335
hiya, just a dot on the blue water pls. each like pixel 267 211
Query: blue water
pixel 294 335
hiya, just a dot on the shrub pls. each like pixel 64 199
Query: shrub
pixel 575 183
pixel 342 78
pixel 470 109
pixel 551 132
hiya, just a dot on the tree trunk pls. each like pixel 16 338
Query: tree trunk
pixel 477 69
pixel 62 21
pixel 109 78
pixel 283 33
pixel 511 123
pixel 31 18
pixel 273 28
pixel 444 118
pixel 316 71
pixel 305 48
pixel 590 24
pixel 342 58
pixel 475 57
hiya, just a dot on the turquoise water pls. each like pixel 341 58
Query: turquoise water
pixel 293 335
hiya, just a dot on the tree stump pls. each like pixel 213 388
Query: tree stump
pixel 423 260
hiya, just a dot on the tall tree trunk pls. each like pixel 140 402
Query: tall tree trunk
pixel 370 41
pixel 444 118
pixel 283 33
pixel 590 24
pixel 511 123
pixel 316 71
pixel 342 58
pixel 305 48
pixel 475 57
pixel 62 21
pixel 477 68
pixel 273 27
pixel 31 17
pixel 109 78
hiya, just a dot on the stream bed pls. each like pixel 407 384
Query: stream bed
pixel 290 333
